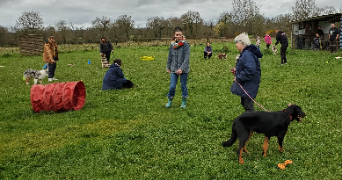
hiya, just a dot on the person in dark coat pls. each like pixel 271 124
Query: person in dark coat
pixel 114 78
pixel 320 32
pixel 334 34
pixel 247 71
pixel 281 37
pixel 208 51
pixel 106 48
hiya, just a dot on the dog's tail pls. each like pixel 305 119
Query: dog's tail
pixel 231 141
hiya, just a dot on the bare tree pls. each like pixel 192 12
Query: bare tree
pixel 173 22
pixel 124 23
pixel 157 24
pixel 63 29
pixel 304 9
pixel 326 10
pixel 225 24
pixel 191 20
pixel 102 24
pixel 29 22
pixel 245 13
pixel 3 33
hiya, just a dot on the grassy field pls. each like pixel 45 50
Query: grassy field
pixel 128 134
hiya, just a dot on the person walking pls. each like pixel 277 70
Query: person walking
pixel 106 48
pixel 50 56
pixel 247 71
pixel 282 39
pixel 178 66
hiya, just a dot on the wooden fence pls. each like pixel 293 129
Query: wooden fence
pixel 31 44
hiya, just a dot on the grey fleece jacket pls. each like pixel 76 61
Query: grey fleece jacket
pixel 179 58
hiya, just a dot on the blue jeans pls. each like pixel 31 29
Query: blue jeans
pixel 173 83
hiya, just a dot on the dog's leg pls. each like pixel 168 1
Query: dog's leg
pixel 27 80
pixel 280 141
pixel 244 148
pixel 265 146
pixel 243 139
pixel 41 81
pixel 35 80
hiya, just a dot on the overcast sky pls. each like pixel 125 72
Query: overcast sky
pixel 82 12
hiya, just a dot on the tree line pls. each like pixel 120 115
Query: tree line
pixel 245 16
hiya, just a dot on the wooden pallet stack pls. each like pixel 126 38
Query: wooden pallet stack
pixel 31 44
pixel 105 63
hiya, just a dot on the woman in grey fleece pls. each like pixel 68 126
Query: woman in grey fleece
pixel 178 66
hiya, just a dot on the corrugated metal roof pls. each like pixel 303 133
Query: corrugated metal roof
pixel 329 17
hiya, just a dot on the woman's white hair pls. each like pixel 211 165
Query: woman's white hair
pixel 243 38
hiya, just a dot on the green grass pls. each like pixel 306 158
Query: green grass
pixel 128 134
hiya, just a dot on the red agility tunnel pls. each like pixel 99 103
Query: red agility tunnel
pixel 58 96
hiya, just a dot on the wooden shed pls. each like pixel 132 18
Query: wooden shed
pixel 303 31
pixel 31 44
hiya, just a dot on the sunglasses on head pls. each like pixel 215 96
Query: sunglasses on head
pixel 237 41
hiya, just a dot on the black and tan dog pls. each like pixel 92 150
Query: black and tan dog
pixel 268 123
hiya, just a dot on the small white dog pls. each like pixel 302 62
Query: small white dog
pixel 36 74
pixel 274 49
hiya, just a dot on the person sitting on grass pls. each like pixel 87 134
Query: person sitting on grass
pixel 208 51
pixel 114 78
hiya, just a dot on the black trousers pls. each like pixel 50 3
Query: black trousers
pixel 283 54
pixel 268 46
pixel 52 69
pixel 248 104
pixel 107 53
pixel 333 46
pixel 206 55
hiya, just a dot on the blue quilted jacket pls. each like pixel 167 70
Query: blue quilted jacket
pixel 247 72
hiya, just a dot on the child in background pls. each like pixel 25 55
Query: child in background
pixel 258 42
pixel 268 41
pixel 178 66
pixel 317 43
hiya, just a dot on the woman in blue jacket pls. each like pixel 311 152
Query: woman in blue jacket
pixel 178 66
pixel 247 71
pixel 114 78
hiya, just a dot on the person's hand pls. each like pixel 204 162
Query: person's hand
pixel 100 54
pixel 233 71
pixel 179 71
pixel 112 50
pixel 235 78
pixel 168 71
pixel 52 60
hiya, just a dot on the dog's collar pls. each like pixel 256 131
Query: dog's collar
pixel 288 114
